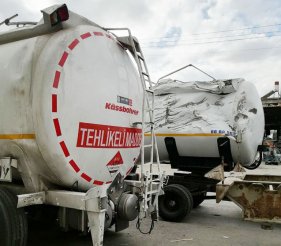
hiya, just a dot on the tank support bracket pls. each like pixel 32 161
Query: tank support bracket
pixel 25 200
pixel 94 202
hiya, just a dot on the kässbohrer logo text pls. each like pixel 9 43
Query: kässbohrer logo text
pixel 112 106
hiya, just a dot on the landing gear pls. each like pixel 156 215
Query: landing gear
pixel 13 220
pixel 176 203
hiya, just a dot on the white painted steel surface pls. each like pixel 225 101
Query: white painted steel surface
pixel 197 113
pixel 67 104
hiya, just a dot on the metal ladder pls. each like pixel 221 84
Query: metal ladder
pixel 151 180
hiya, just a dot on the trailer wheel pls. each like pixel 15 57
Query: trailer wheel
pixel 21 216
pixel 176 203
pixel 198 199
pixel 12 219
pixel 5 232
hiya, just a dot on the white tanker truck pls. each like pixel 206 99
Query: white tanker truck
pixel 201 125
pixel 71 105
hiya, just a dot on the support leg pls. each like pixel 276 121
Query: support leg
pixel 96 225
pixel 96 201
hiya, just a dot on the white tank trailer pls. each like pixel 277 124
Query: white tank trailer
pixel 69 96
pixel 204 128
pixel 212 119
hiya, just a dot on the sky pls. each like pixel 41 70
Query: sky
pixel 225 38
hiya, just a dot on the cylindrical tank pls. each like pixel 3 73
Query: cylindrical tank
pixel 196 114
pixel 67 103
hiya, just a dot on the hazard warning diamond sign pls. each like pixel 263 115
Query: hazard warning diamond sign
pixel 114 164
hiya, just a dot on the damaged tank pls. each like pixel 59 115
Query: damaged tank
pixel 202 123
pixel 204 128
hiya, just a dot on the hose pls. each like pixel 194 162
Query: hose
pixel 256 163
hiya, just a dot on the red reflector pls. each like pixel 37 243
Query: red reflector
pixel 63 13
pixel 60 15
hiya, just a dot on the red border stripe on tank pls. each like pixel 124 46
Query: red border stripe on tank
pixel 73 44
pixel 86 177
pixel 63 58
pixel 56 79
pixel 54 103
pixel 74 166
pixel 56 82
pixel 86 35
pixel 98 182
pixel 98 33
pixel 57 126
pixel 64 149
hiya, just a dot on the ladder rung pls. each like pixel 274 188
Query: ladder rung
pixel 149 91
pixel 152 174
pixel 140 57
pixel 152 192
pixel 148 146
pixel 145 74
pixel 155 181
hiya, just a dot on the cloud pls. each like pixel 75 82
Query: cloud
pixel 170 38
pixel 213 35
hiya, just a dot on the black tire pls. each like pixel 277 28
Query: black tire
pixel 5 231
pixel 21 216
pixel 15 221
pixel 176 203
pixel 198 199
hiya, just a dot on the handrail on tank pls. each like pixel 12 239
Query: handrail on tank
pixel 23 23
pixel 189 65
pixel 145 99
pixel 43 27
